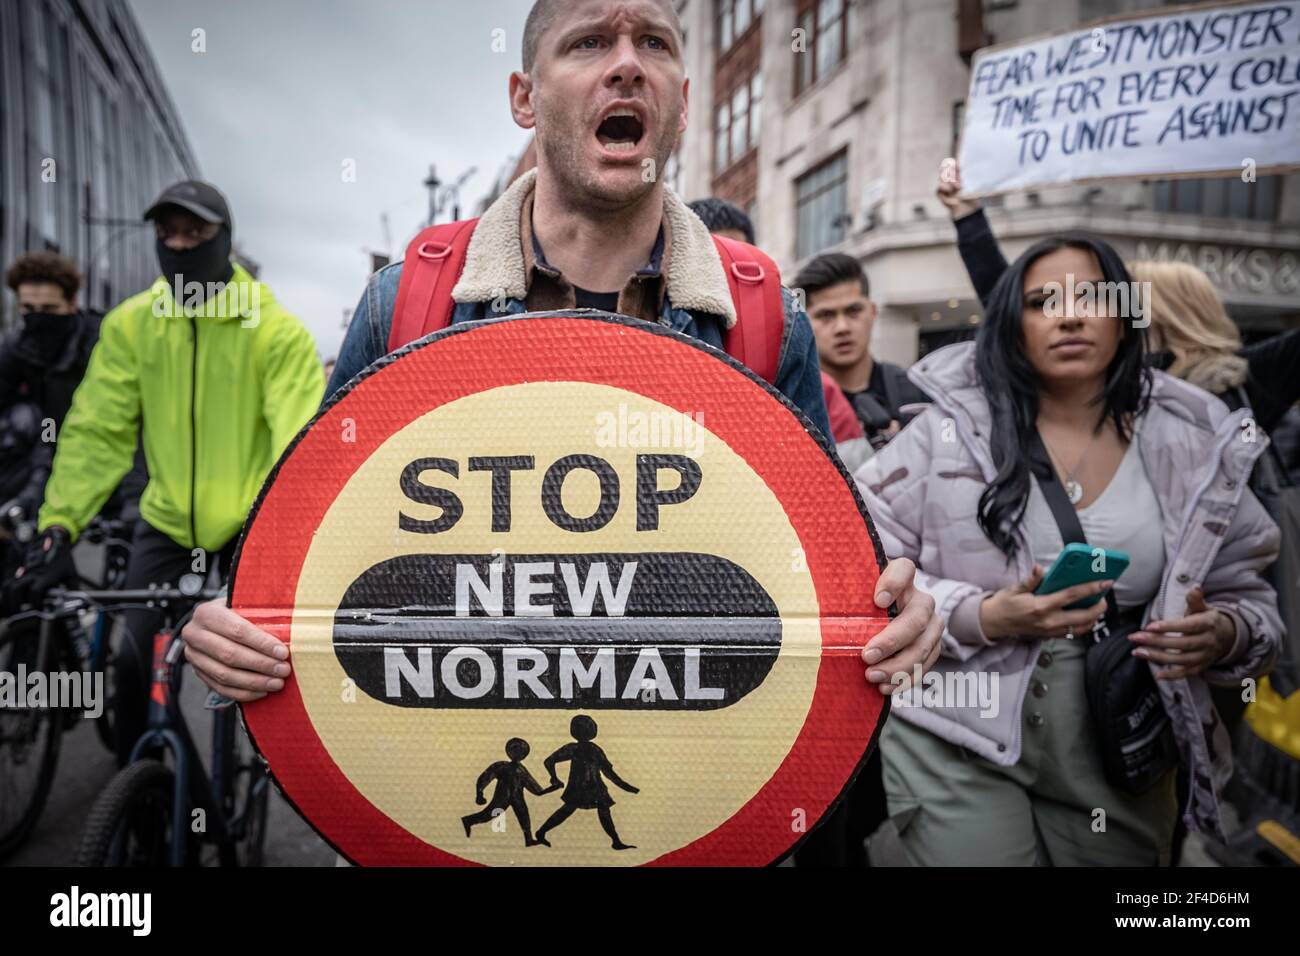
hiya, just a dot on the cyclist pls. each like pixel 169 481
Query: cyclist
pixel 219 377
pixel 41 364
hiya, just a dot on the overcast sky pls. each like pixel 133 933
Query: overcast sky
pixel 290 89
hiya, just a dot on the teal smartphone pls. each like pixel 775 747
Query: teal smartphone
pixel 1078 564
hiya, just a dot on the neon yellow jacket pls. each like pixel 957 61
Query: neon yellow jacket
pixel 219 389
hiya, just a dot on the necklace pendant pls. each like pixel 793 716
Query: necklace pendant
pixel 1074 491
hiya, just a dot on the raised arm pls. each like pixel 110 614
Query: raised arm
pixel 975 240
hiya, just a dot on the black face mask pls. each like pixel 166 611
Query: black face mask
pixel 208 262
pixel 47 333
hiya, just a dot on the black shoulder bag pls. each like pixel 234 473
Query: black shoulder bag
pixel 1133 733
pixel 897 387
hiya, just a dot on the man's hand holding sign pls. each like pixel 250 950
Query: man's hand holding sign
pixel 476 568
pixel 244 663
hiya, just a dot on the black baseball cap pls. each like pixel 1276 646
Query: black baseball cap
pixel 192 195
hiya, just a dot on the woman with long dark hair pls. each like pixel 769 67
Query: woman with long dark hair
pixel 1048 428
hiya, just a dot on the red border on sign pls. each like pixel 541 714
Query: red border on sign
pixel 841 552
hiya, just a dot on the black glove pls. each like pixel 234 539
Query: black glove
pixel 48 563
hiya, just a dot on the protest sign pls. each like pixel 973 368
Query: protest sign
pixel 563 590
pixel 1191 91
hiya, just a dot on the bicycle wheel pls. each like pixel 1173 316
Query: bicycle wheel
pixel 251 847
pixel 130 824
pixel 29 740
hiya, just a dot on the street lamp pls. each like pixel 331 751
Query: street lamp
pixel 440 195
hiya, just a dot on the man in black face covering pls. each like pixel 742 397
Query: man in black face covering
pixel 192 224
pixel 45 357
pixel 41 364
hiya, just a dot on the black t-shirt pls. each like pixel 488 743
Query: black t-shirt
pixel 605 301
pixel 876 386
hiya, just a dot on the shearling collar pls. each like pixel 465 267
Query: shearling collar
pixel 495 267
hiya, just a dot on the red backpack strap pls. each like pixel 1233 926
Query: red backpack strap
pixel 845 425
pixel 434 261
pixel 755 339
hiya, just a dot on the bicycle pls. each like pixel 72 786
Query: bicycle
pixel 107 542
pixel 166 812
pixel 49 642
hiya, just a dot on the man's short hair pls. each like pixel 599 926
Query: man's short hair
pixel 543 15
pixel 719 214
pixel 831 269
pixel 45 267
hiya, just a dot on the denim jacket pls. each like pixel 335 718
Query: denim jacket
pixel 493 284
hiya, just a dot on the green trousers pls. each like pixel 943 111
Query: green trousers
pixel 1053 808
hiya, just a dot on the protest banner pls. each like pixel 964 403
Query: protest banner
pixel 563 590
pixel 1178 92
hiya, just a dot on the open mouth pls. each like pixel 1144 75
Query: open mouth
pixel 621 131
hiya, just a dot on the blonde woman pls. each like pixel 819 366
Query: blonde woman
pixel 1194 339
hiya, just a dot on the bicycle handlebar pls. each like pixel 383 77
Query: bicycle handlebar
pixel 140 596
pixel 61 602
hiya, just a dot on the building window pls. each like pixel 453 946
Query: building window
pixel 102 198
pixel 673 171
pixel 822 206
pixel 44 195
pixel 737 122
pixel 735 17
pixel 825 27
pixel 1225 198
pixel 722 136
pixel 740 120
